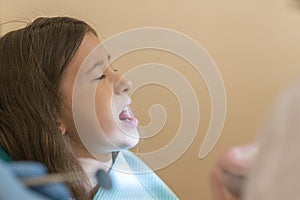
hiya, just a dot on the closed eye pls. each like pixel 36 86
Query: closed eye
pixel 101 77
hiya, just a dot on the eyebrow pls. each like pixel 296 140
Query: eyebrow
pixel 99 63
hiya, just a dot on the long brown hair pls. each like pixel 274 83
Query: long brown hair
pixel 32 62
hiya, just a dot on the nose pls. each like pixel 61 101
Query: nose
pixel 122 86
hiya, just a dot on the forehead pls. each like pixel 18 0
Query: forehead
pixel 89 42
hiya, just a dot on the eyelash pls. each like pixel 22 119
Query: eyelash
pixel 103 76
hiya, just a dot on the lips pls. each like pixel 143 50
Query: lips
pixel 127 116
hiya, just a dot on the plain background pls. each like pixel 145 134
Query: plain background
pixel 255 44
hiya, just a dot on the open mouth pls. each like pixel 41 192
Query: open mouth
pixel 127 116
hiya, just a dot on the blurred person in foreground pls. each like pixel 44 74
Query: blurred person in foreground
pixel 269 168
pixel 266 169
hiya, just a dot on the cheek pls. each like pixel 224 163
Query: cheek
pixel 104 110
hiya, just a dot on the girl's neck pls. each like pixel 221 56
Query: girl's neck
pixel 81 152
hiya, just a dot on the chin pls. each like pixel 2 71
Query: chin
pixel 129 141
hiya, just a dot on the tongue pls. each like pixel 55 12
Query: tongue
pixel 125 115
pixel 128 116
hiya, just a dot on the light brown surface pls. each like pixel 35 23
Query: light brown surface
pixel 255 44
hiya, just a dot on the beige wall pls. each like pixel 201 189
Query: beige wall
pixel 255 44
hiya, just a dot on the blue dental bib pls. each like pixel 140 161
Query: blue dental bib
pixel 129 183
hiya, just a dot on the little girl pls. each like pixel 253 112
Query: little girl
pixel 45 112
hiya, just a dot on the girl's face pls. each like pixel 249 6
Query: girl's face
pixel 90 79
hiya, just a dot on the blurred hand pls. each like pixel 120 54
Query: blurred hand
pixel 229 175
pixel 12 188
